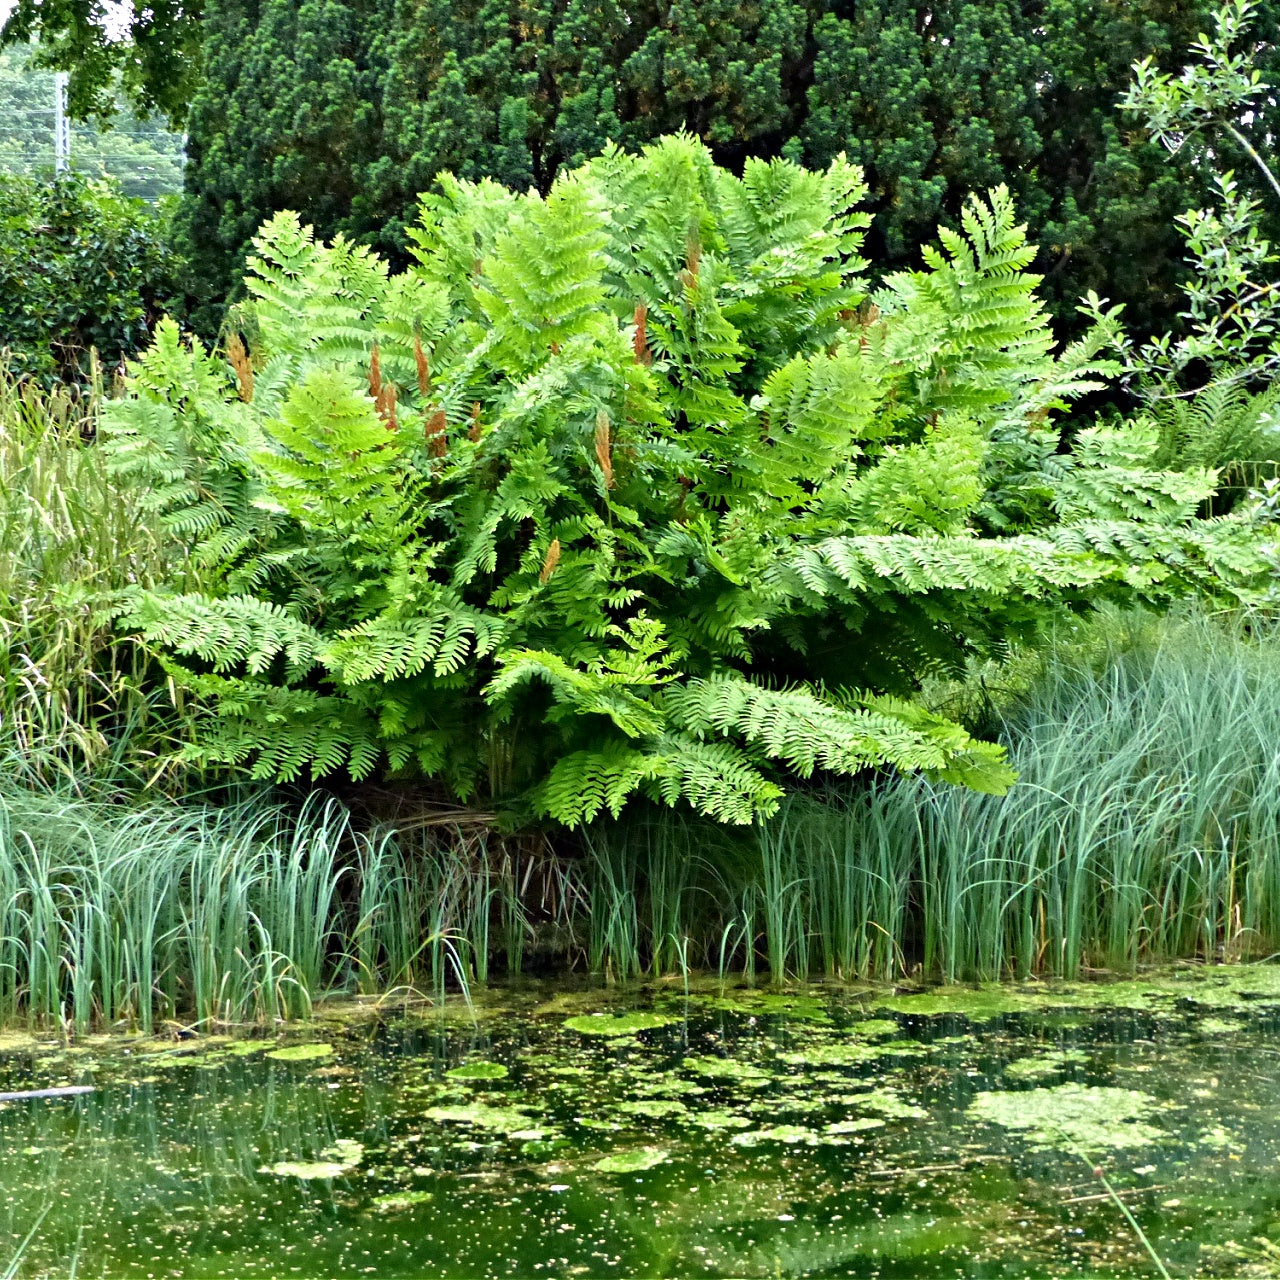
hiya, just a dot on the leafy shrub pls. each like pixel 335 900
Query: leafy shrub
pixel 81 267
pixel 633 488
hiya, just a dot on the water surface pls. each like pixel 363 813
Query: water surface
pixel 743 1134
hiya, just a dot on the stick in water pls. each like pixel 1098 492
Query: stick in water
pixel 68 1091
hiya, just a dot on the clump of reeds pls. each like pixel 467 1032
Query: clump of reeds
pixel 128 912
pixel 1145 827
pixel 75 695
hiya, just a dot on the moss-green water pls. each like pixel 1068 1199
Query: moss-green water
pixel 951 1133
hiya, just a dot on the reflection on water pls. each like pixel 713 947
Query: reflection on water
pixel 747 1135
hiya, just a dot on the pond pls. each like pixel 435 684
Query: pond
pixel 558 1132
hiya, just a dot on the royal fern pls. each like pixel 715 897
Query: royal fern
pixel 634 488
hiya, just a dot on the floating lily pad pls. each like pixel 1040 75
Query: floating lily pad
pixel 1086 1117
pixel 633 1161
pixel 620 1024
pixel 302 1052
pixel 478 1071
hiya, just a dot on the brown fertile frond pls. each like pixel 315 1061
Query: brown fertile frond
pixel 239 360
pixel 604 449
pixel 693 258
pixel 640 343
pixel 553 559
pixel 473 432
pixel 387 406
pixel 437 441
pixel 424 367
pixel 375 375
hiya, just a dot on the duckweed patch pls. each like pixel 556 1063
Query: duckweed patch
pixel 307 1170
pixel 506 1120
pixel 478 1071
pixel 633 1161
pixel 401 1201
pixel 733 1069
pixel 1045 1066
pixel 302 1053
pixel 617 1025
pixel 1091 1118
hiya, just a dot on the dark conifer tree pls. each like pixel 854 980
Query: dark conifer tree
pixel 345 110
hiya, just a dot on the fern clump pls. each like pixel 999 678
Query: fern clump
pixel 635 488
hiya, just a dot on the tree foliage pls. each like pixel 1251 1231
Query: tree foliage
pixel 346 110
pixel 633 488
pixel 81 266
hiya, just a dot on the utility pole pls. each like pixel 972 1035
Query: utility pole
pixel 61 124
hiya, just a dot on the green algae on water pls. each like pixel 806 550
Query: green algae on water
pixel 1045 1065
pixel 874 1028
pixel 1090 1118
pixel 633 1161
pixel 845 1054
pixel 302 1052
pixel 859 1125
pixel 977 1004
pixel 889 1104
pixel 653 1108
pixel 398 1201
pixel 478 1071
pixel 346 1150
pixel 620 1024
pixel 506 1120
pixel 718 1119
pixel 335 1162
pixel 727 1069
pixel 307 1170
pixel 788 1134
pixel 246 1048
